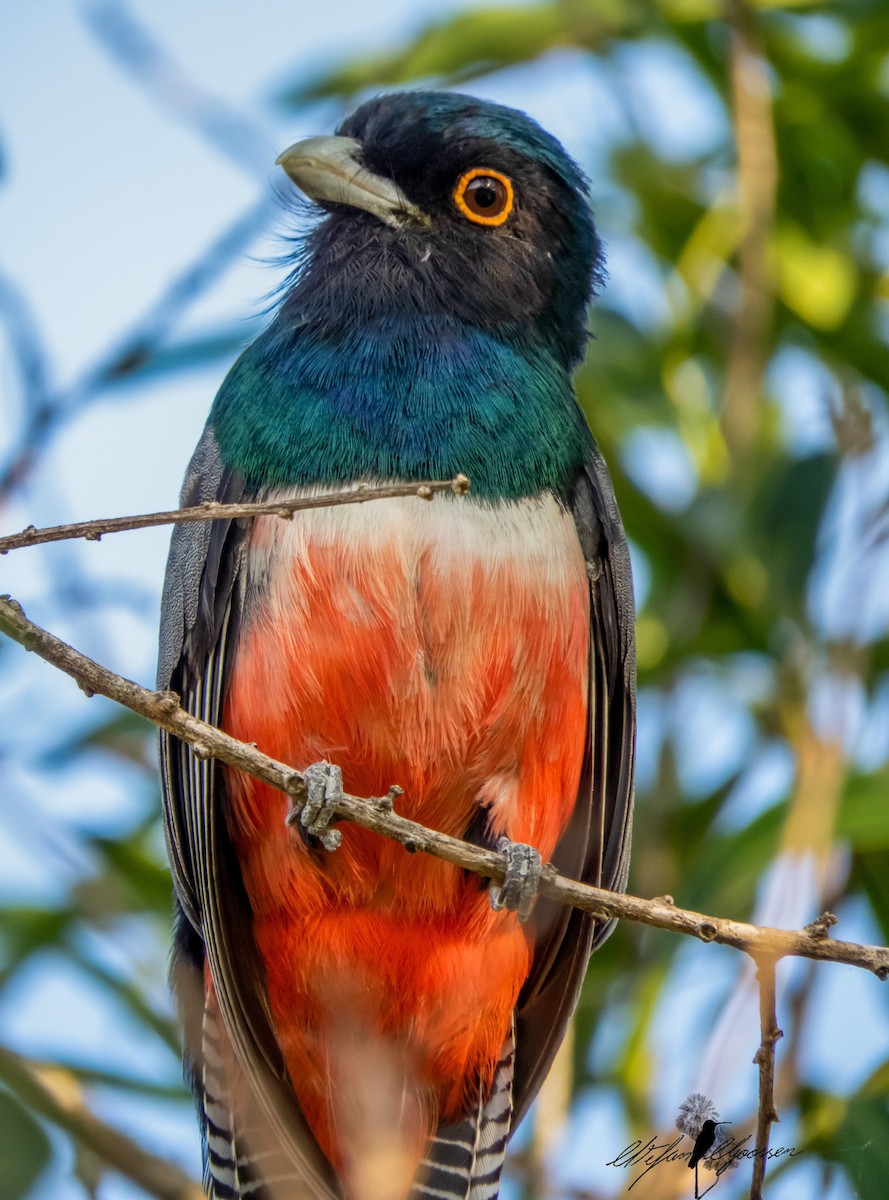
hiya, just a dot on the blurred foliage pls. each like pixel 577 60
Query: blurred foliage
pixel 24 1148
pixel 735 526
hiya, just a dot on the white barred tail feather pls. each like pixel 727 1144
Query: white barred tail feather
pixel 464 1161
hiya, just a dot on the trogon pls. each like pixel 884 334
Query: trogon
pixel 363 1022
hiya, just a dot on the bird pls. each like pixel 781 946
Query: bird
pixel 704 1141
pixel 360 1022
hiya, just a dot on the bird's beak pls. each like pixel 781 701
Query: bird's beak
pixel 328 168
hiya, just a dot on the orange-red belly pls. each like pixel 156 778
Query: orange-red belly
pixel 442 647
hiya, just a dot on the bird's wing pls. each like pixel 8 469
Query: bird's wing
pixel 595 847
pixel 199 619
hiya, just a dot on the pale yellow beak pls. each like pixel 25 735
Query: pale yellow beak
pixel 328 168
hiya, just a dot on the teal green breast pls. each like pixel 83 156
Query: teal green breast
pixel 408 397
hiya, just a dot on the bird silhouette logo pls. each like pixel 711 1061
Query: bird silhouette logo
pixel 697 1119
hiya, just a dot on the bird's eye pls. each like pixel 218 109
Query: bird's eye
pixel 484 196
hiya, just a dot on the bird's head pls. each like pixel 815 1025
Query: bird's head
pixel 445 204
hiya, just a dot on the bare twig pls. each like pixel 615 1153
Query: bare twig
pixel 88 1076
pixel 765 1060
pixel 32 360
pixel 163 709
pixel 25 341
pixel 93 531
pixel 56 1095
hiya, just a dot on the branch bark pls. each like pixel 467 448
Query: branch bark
pixel 164 710
pixel 765 1060
pixel 93 531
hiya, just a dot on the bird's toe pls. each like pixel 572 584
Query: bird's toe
pixel 324 787
pixel 519 888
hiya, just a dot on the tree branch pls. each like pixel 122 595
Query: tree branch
pixel 93 531
pixel 56 1095
pixel 32 361
pixel 164 710
pixel 765 1060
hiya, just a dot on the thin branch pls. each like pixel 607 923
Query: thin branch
pixel 25 340
pixel 93 531
pixel 56 1095
pixel 32 360
pixel 94 1077
pixel 164 710
pixel 765 1060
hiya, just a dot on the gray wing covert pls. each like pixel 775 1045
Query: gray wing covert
pixel 197 614
pixel 202 601
pixel 595 847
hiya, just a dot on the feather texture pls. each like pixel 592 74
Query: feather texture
pixel 362 1024
pixel 464 1161
pixel 443 646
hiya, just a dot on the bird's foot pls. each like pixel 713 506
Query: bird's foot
pixel 324 787
pixel 519 888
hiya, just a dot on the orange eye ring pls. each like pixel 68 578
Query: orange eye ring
pixel 499 187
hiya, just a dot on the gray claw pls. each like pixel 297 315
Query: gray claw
pixel 324 786
pixel 519 888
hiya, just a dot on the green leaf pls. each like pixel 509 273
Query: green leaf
pixel 24 1149
pixel 720 874
pixel 25 931
pixel 124 734
pixel 863 819
pixel 817 281
pixel 132 881
pixel 472 43
pixel 785 518
pixel 861 1146
pixel 870 871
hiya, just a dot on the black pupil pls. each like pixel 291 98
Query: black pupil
pixel 485 195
